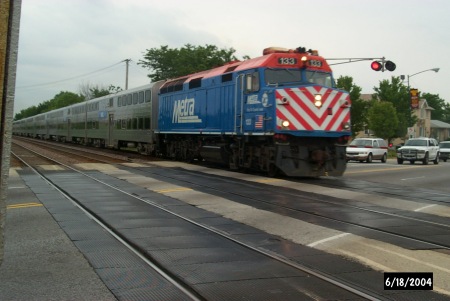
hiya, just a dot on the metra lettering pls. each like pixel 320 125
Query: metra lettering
pixel 183 111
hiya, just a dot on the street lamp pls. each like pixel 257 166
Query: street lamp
pixel 433 69
pixel 408 76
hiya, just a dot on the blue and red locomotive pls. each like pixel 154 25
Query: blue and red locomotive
pixel 280 112
pixel 277 112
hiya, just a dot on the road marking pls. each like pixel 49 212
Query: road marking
pixel 387 169
pixel 422 208
pixel 23 205
pixel 268 180
pixel 366 260
pixel 406 179
pixel 313 244
pixel 416 260
pixel 173 190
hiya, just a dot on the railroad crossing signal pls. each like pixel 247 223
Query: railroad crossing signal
pixel 382 65
pixel 375 65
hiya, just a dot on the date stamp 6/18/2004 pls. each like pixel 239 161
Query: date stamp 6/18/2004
pixel 408 281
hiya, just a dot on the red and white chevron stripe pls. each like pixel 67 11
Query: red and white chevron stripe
pixel 302 114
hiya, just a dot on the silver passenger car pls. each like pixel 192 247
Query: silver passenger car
pixel 125 119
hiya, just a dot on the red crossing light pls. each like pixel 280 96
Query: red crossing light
pixel 375 65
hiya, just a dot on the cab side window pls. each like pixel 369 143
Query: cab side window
pixel 252 82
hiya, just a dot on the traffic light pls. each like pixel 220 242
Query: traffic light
pixel 383 65
pixel 377 66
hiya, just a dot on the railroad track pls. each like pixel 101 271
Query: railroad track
pixel 411 230
pixel 77 154
pixel 256 193
pixel 188 287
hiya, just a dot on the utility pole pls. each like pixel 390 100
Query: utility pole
pixel 127 61
pixel 9 44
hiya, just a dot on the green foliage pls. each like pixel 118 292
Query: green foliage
pixel 63 99
pixel 96 91
pixel 113 89
pixel 446 114
pixel 383 120
pixel 359 107
pixel 60 100
pixel 28 112
pixel 438 105
pixel 168 62
pixel 397 94
pixel 359 115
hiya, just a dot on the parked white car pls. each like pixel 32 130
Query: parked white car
pixel 367 149
pixel 419 149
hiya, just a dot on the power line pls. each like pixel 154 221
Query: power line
pixel 68 79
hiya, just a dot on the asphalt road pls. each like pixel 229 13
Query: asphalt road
pixel 431 176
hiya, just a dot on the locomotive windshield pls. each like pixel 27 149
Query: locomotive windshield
pixel 320 78
pixel 282 76
pixel 288 76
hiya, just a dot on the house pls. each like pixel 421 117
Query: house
pixel 425 127
pixel 440 130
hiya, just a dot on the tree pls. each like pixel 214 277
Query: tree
pixel 63 99
pixel 30 111
pixel 359 108
pixel 89 91
pixel 438 105
pixel 383 120
pixel 168 62
pixel 446 114
pixel 60 100
pixel 398 95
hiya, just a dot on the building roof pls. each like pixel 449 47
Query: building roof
pixel 439 124
pixel 423 104
pixel 366 97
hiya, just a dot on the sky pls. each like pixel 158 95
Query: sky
pixel 67 44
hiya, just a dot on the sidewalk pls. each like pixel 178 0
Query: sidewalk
pixel 40 261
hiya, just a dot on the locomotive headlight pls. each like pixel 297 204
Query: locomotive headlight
pixel 346 126
pixel 318 100
pixel 285 123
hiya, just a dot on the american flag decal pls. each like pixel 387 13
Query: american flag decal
pixel 259 121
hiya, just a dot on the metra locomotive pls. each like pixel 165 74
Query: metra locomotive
pixel 278 112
